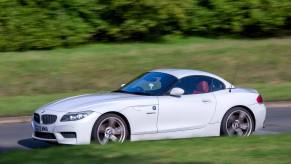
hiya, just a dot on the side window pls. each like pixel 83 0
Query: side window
pixel 217 85
pixel 195 84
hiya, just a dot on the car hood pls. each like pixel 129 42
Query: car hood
pixel 84 101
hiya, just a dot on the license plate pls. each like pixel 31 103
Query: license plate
pixel 40 128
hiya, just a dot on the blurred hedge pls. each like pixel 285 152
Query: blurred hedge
pixel 43 24
pixel 243 17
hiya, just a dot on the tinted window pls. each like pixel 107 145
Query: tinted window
pixel 199 84
pixel 151 83
pixel 195 84
pixel 217 85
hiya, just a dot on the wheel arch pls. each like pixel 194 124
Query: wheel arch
pixel 244 107
pixel 123 117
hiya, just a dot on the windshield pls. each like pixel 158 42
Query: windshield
pixel 151 83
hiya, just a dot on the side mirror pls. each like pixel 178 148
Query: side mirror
pixel 122 85
pixel 177 92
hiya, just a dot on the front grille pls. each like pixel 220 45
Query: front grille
pixel 48 119
pixel 44 135
pixel 36 117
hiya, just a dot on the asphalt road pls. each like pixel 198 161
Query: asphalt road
pixel 18 136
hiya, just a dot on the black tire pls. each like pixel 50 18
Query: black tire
pixel 233 123
pixel 97 134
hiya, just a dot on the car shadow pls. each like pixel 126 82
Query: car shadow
pixel 31 143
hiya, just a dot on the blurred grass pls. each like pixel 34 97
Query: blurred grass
pixel 254 149
pixel 28 79
pixel 25 105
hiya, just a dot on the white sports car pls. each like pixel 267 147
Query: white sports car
pixel 160 104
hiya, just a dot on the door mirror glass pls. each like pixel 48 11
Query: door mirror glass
pixel 177 92
pixel 122 85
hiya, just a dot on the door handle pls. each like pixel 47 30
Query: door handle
pixel 151 113
pixel 206 101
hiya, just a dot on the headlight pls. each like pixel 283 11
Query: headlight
pixel 74 116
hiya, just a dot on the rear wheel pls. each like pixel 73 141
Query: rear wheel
pixel 110 128
pixel 237 122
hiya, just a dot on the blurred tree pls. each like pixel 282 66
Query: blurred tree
pixel 39 24
pixel 246 17
pixel 140 19
pixel 42 24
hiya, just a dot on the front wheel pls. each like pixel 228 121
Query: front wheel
pixel 110 128
pixel 237 122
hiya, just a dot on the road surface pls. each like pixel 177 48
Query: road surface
pixel 18 136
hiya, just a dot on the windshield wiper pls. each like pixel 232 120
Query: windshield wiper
pixel 120 91
pixel 136 93
pixel 140 93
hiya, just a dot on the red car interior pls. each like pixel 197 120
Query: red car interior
pixel 202 87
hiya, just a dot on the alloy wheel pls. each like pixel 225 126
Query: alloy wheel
pixel 111 129
pixel 239 123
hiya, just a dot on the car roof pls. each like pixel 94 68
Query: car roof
pixel 180 73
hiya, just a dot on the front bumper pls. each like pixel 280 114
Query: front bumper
pixel 55 132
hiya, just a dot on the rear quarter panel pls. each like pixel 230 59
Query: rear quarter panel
pixel 247 98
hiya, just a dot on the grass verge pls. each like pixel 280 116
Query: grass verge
pixel 26 105
pixel 254 149
pixel 30 79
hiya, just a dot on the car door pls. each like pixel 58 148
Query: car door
pixel 193 110
pixel 143 118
